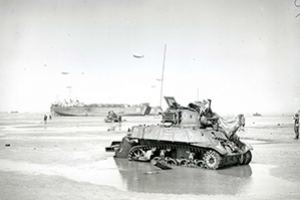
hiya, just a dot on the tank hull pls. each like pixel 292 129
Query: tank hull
pixel 180 153
pixel 184 146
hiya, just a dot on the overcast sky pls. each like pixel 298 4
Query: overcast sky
pixel 244 55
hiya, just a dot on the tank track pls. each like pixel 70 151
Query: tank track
pixel 186 155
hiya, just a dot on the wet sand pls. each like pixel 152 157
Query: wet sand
pixel 65 159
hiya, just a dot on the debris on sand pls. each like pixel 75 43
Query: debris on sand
pixel 161 164
pixel 152 172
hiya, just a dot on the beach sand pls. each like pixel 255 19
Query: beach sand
pixel 66 159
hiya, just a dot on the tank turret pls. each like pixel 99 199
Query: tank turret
pixel 177 115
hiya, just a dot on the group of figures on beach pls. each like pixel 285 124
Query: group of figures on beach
pixel 46 117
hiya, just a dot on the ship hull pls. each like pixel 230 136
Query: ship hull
pixel 88 110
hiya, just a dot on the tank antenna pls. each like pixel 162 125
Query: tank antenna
pixel 162 76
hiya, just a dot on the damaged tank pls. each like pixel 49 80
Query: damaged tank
pixel 190 136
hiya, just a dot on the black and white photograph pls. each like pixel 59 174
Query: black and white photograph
pixel 149 99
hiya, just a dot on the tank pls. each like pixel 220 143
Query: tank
pixel 190 136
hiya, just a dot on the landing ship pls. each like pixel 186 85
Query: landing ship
pixel 76 108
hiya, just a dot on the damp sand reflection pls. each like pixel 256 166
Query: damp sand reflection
pixel 143 177
pixel 254 179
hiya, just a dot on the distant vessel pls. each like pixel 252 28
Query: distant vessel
pixel 257 114
pixel 14 112
pixel 76 108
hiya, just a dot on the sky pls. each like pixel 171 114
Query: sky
pixel 244 55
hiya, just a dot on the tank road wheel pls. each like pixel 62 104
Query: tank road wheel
pixel 212 159
pixel 170 161
pixel 155 160
pixel 247 157
pixel 136 153
pixel 199 163
pixel 192 164
pixel 183 162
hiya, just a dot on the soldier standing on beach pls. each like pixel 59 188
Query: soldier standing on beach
pixel 296 126
pixel 45 119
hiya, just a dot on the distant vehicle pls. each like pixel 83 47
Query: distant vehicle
pixel 257 114
pixel 113 117
pixel 185 138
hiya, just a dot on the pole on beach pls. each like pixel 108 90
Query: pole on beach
pixel 162 76
pixel 70 91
